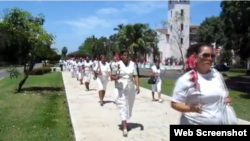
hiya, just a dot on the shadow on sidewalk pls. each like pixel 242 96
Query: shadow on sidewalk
pixel 132 126
pixel 108 101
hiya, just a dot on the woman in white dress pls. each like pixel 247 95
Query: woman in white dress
pixel 88 69
pixel 80 69
pixel 102 70
pixel 76 69
pixel 72 68
pixel 124 74
pixel 199 93
pixel 156 74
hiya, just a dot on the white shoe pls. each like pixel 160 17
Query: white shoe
pixel 160 100
pixel 125 133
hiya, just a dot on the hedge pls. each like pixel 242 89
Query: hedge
pixel 40 71
pixel 238 70
pixel 48 65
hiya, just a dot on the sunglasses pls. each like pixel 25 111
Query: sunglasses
pixel 207 55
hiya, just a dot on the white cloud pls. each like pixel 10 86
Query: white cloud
pixel 107 11
pixel 141 7
pixel 94 25
pixel 136 7
pixel 144 7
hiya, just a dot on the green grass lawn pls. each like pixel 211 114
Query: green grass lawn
pixel 240 104
pixel 39 113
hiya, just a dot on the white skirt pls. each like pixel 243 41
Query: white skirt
pixel 102 83
pixel 87 77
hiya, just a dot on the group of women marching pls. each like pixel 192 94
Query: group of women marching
pixel 122 73
pixel 201 101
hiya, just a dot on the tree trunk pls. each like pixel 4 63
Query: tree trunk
pixel 26 74
pixel 22 82
pixel 183 61
pixel 136 63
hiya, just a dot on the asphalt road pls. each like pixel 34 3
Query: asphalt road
pixel 3 72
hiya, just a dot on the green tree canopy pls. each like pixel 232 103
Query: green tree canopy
pixel 26 36
pixel 211 30
pixel 235 16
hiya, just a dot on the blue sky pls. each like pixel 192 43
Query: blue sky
pixel 73 21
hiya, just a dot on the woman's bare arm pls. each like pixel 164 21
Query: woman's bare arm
pixel 182 107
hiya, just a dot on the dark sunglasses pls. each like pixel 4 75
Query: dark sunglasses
pixel 207 55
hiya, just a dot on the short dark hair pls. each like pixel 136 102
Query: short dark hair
pixel 102 55
pixel 195 48
pixel 123 51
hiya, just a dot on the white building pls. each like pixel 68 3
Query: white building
pixel 178 33
pixel 179 29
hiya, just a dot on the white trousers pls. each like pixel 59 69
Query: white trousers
pixel 80 74
pixel 73 73
pixel 157 86
pixel 76 72
pixel 125 100
pixel 68 67
pixel 102 83
pixel 87 77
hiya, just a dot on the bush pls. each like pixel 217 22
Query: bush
pixel 40 71
pixel 54 62
pixel 48 65
pixel 238 70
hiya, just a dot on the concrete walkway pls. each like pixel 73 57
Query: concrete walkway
pixel 91 122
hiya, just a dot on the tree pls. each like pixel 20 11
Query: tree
pixel 211 31
pixel 177 29
pixel 64 52
pixel 235 16
pixel 136 38
pixel 27 37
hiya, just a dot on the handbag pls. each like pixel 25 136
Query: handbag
pixel 229 116
pixel 152 80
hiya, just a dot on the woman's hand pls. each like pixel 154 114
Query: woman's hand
pixel 115 77
pixel 137 89
pixel 227 100
pixel 196 109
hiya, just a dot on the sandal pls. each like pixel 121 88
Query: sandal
pixel 125 133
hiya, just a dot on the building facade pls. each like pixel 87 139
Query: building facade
pixel 179 34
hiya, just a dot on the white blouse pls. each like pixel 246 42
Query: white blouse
pixel 88 66
pixel 105 69
pixel 125 73
pixel 212 92
pixel 156 71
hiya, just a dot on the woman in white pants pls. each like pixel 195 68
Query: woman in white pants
pixel 126 78
pixel 72 68
pixel 102 70
pixel 156 74
pixel 80 71
pixel 76 69
pixel 88 69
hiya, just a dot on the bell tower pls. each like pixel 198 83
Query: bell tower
pixel 175 9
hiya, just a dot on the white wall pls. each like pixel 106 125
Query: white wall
pixel 163 45
pixel 173 7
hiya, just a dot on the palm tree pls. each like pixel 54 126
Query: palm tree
pixel 137 38
pixel 64 51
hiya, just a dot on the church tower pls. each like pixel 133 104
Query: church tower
pixel 179 28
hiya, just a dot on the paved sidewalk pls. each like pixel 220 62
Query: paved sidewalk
pixel 91 122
